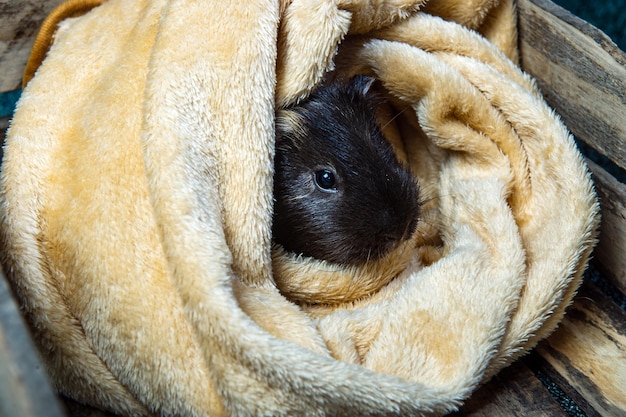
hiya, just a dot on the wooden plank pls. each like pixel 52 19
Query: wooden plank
pixel 515 391
pixel 24 386
pixel 580 71
pixel 589 351
pixel 570 399
pixel 75 409
pixel 19 22
pixel 611 250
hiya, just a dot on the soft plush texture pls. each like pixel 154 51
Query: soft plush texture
pixel 136 206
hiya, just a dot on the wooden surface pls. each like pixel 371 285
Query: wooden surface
pixel 581 73
pixel 611 249
pixel 19 22
pixel 516 391
pixel 583 77
pixel 585 360
pixel 589 351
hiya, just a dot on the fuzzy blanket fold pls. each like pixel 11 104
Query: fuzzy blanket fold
pixel 136 209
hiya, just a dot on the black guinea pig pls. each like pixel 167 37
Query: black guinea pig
pixel 341 194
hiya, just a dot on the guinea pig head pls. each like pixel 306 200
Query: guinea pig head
pixel 341 194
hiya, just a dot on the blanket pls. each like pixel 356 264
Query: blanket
pixel 136 208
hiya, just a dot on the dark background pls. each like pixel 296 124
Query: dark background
pixel 609 16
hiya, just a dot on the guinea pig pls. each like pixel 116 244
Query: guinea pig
pixel 341 194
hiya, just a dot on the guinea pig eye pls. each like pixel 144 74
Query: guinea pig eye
pixel 325 180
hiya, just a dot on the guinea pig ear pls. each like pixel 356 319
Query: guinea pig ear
pixel 288 123
pixel 363 83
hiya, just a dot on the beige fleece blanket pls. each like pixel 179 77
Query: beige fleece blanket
pixel 136 208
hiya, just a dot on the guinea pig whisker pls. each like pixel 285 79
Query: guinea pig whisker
pixel 368 256
pixel 395 117
pixel 297 197
pixel 423 201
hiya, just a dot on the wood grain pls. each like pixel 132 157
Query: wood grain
pixel 19 23
pixel 571 396
pixel 611 250
pixel 589 351
pixel 515 391
pixel 581 73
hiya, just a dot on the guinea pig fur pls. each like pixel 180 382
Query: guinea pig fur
pixel 341 194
